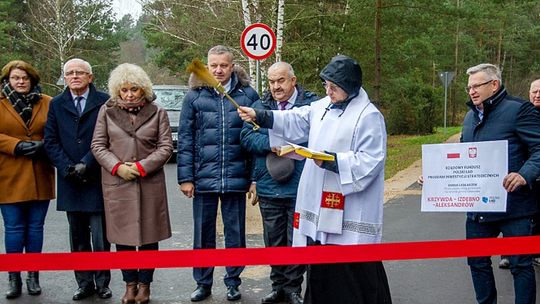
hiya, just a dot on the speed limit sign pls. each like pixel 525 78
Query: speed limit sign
pixel 258 41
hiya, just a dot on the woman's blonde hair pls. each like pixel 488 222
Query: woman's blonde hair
pixel 128 73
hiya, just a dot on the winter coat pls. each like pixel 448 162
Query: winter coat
pixel 136 212
pixel 22 178
pixel 209 151
pixel 258 144
pixel 67 141
pixel 517 121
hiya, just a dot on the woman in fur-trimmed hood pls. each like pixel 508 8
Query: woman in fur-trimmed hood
pixel 132 142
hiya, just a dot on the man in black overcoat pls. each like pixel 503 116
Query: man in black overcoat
pixel 68 134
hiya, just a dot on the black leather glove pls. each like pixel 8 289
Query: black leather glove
pixel 264 118
pixel 29 148
pixel 331 165
pixel 77 172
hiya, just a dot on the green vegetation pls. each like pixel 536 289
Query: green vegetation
pixel 403 150
pixel 402 46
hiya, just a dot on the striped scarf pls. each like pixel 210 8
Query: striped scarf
pixel 23 103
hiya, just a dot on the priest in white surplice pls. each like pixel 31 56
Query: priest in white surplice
pixel 339 202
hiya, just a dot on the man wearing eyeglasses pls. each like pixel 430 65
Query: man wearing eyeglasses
pixel 68 134
pixel 495 115
pixel 339 202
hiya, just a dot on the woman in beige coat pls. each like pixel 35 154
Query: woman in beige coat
pixel 26 175
pixel 132 142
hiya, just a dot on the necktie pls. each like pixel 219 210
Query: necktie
pixel 282 105
pixel 78 104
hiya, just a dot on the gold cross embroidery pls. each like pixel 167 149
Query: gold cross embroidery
pixel 332 200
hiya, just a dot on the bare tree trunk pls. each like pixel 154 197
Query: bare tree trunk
pixel 433 75
pixel 344 25
pixel 499 48
pixel 318 59
pixel 246 13
pixel 279 28
pixel 257 12
pixel 55 26
pixel 61 54
pixel 453 103
pixel 377 80
pixel 247 22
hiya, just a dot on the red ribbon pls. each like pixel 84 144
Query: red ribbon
pixel 270 256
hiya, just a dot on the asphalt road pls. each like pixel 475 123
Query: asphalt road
pixel 417 281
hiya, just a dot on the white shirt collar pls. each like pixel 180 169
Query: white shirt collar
pixel 293 97
pixel 227 86
pixel 84 95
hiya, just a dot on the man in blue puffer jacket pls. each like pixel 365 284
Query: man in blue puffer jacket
pixel 212 165
pixel 276 181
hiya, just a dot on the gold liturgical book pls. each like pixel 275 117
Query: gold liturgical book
pixel 298 152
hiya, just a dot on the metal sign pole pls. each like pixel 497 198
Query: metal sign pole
pixel 445 98
pixel 258 76
pixel 258 42
pixel 446 78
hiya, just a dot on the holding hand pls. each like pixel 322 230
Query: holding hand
pixel 512 181
pixel 77 172
pixel 252 196
pixel 127 173
pixel 247 114
pixel 188 189
pixel 133 166
pixel 330 165
pixel 29 148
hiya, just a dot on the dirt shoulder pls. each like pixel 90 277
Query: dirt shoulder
pixel 399 183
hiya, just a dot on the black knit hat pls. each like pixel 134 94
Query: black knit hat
pixel 344 72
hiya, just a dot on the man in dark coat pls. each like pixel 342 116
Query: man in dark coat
pixel 495 115
pixel 68 134
pixel 275 181
pixel 212 165
pixel 534 98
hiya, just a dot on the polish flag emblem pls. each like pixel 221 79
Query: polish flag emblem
pixel 473 151
pixel 452 155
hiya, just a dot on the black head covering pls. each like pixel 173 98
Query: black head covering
pixel 344 72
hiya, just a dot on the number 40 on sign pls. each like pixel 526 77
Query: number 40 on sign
pixel 258 41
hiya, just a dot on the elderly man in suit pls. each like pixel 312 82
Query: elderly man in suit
pixel 68 134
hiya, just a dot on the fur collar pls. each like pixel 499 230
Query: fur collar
pixel 121 117
pixel 239 76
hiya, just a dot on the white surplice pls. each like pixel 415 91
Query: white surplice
pixel 358 136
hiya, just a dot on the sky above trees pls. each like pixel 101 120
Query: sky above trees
pixel 124 7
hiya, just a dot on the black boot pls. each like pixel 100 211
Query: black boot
pixel 32 283
pixel 15 285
